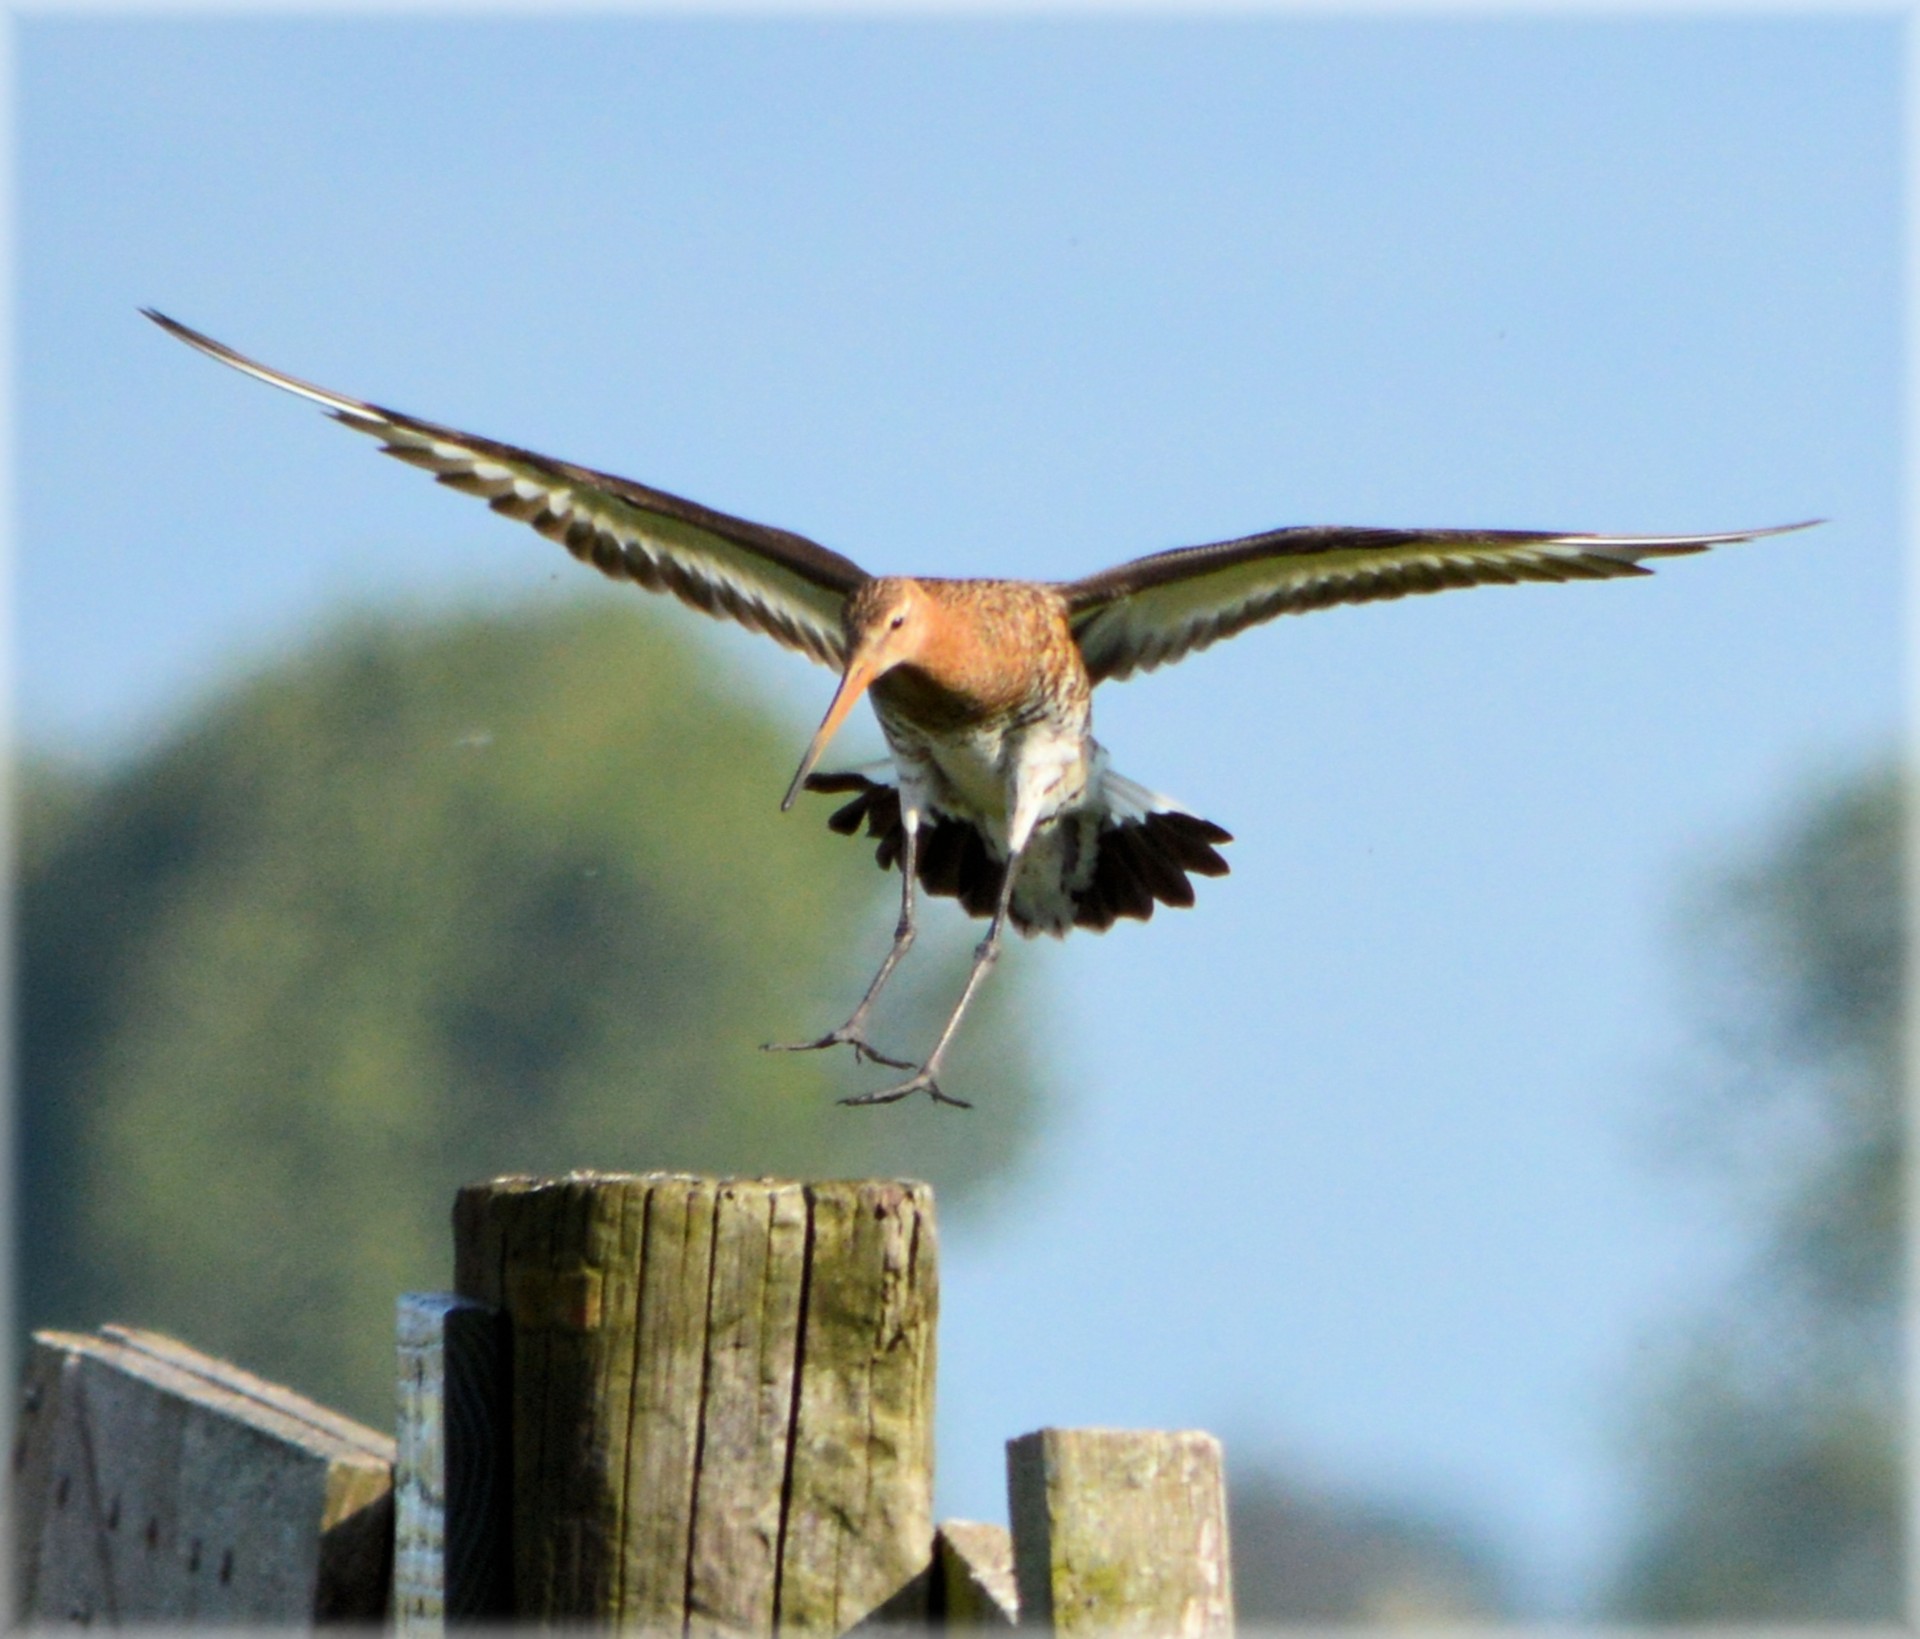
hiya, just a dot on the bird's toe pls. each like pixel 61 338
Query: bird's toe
pixel 921 1082
pixel 863 1050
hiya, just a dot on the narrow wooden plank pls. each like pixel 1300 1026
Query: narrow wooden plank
pixel 175 1487
pixel 859 1513
pixel 1120 1531
pixel 420 1469
pixel 451 1478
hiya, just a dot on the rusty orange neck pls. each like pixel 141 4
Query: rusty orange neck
pixel 973 650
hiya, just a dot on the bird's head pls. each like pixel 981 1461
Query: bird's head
pixel 889 622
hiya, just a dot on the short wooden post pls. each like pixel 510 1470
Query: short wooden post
pixel 153 1483
pixel 968 1583
pixel 452 1479
pixel 973 1576
pixel 1120 1531
pixel 722 1394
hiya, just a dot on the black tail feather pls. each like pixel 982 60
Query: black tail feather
pixel 1141 862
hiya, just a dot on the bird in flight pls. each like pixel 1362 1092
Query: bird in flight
pixel 998 794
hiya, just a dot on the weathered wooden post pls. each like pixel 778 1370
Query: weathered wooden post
pixel 972 1576
pixel 1120 1531
pixel 722 1394
pixel 451 1480
pixel 153 1483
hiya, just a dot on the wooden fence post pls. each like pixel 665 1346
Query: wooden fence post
pixel 153 1483
pixel 451 1480
pixel 973 1583
pixel 1120 1531
pixel 722 1394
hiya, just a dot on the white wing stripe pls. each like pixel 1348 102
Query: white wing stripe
pixel 1143 629
pixel 627 544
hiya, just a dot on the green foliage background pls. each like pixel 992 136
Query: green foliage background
pixel 434 900
pixel 1770 1437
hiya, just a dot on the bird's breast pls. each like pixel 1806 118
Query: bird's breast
pixel 984 770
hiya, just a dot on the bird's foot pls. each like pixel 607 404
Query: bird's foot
pixel 848 1035
pixel 921 1081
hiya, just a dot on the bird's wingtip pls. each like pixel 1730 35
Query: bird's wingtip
pixel 173 327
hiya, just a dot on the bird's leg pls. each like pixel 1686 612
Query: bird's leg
pixel 854 1032
pixel 927 1078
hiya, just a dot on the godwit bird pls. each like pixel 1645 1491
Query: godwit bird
pixel 999 795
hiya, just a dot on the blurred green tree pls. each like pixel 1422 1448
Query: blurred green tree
pixel 434 900
pixel 1771 1436
pixel 1309 1554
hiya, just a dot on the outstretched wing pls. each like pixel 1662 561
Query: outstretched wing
pixel 767 579
pixel 1155 610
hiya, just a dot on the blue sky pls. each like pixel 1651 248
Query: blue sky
pixel 1029 297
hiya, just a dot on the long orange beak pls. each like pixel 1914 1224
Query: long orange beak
pixel 860 672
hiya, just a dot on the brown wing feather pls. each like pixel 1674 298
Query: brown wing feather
pixel 769 580
pixel 1157 609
